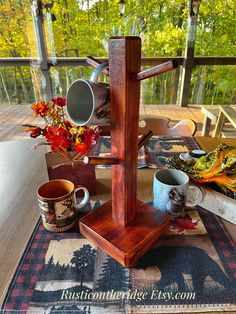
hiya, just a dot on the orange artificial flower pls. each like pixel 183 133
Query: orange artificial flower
pixel 57 137
pixel 40 109
pixel 85 138
pixel 80 148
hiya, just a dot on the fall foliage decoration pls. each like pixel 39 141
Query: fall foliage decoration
pixel 62 135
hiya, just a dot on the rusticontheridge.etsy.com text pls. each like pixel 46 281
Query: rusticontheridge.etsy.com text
pixel 135 295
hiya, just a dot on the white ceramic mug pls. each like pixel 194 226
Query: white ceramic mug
pixel 87 101
pixel 172 191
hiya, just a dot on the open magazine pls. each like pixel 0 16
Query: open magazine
pixel 165 146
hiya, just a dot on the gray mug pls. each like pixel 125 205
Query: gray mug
pixel 88 100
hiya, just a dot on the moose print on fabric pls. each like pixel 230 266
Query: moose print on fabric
pixel 175 261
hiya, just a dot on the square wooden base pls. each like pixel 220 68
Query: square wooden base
pixel 126 244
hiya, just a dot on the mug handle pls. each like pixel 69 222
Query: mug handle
pixel 86 196
pixel 194 196
pixel 95 74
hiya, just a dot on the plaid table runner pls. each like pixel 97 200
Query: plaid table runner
pixel 192 268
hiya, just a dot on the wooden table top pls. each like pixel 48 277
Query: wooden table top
pixel 22 170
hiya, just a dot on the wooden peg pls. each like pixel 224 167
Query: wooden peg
pixel 162 68
pixel 143 140
pixel 94 63
pixel 101 160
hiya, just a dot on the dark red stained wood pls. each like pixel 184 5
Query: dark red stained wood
pixel 126 244
pixel 125 228
pixel 124 61
pixel 164 67
pixel 144 139
pixel 101 160
pixel 94 63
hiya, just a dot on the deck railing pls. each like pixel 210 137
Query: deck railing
pixel 46 65
pixel 4 62
pixel 176 86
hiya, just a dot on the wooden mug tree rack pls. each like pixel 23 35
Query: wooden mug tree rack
pixel 125 228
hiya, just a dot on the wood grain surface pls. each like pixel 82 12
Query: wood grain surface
pixel 95 63
pixel 22 170
pixel 124 60
pixel 94 160
pixel 124 228
pixel 159 69
pixel 126 244
pixel 13 116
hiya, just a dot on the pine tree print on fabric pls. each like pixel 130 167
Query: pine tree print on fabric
pixel 113 276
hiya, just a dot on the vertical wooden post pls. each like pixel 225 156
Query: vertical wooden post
pixel 124 62
pixel 188 63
